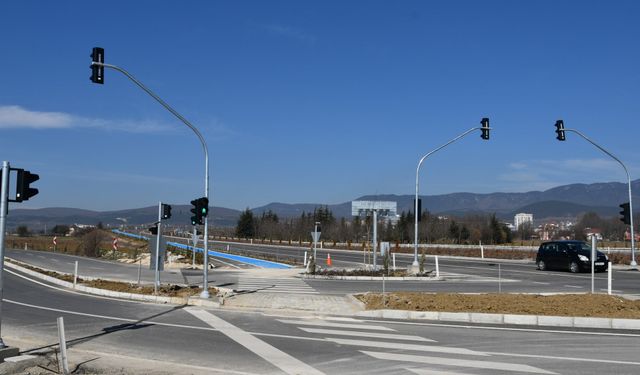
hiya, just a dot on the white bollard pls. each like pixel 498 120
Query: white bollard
pixel 305 259
pixel 75 275
pixel 437 267
pixel 63 346
pixel 227 248
pixel 394 261
pixel 481 250
pixel 609 279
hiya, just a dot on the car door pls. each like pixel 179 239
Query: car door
pixel 549 254
pixel 562 256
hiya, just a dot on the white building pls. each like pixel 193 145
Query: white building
pixel 522 218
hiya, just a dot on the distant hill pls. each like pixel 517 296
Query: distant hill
pixel 563 201
pixel 180 215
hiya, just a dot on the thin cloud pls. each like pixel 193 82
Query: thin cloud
pixel 16 117
pixel 290 32
pixel 544 174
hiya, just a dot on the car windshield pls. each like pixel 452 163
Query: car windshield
pixel 578 246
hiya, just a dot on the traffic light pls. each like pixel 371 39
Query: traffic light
pixel 626 213
pixel 560 130
pixel 200 210
pixel 419 211
pixel 23 190
pixel 97 71
pixel 485 128
pixel 166 211
pixel 154 230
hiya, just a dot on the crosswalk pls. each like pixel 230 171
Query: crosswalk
pixel 415 354
pixel 273 285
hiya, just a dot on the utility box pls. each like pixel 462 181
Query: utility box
pixel 163 251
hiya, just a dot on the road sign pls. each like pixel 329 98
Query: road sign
pixel 55 240
pixel 114 244
pixel 315 236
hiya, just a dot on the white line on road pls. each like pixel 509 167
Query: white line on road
pixel 273 355
pixel 493 328
pixel 424 371
pixel 403 346
pixel 568 358
pixel 323 323
pixel 573 286
pixel 456 362
pixel 388 336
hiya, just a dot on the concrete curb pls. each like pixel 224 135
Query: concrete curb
pixel 110 293
pixel 18 364
pixel 507 319
pixel 372 278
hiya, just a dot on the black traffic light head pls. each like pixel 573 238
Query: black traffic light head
pixel 626 213
pixel 485 128
pixel 154 230
pixel 200 210
pixel 23 190
pixel 560 130
pixel 97 70
pixel 166 211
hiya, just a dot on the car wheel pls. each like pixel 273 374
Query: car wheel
pixel 573 267
pixel 542 266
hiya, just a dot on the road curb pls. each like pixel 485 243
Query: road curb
pixel 372 278
pixel 194 301
pixel 17 364
pixel 506 319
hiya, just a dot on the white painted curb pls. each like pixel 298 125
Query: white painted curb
pixel 195 301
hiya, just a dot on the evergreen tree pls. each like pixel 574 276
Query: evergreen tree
pixel 246 226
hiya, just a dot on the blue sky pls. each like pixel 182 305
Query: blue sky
pixel 315 101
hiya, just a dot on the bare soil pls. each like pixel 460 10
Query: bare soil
pixel 581 305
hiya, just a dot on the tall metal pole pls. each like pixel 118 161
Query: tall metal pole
pixel 156 281
pixel 4 205
pixel 205 276
pixel 415 212
pixel 633 238
pixel 375 239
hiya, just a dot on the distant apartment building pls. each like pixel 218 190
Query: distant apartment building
pixel 521 219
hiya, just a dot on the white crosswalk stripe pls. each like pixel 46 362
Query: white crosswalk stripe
pixel 357 333
pixel 274 285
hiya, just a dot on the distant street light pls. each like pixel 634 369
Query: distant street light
pixel 484 135
pixel 98 77
pixel 561 137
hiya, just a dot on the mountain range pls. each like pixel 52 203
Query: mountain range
pixel 567 201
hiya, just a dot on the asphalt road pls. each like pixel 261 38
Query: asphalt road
pixel 460 275
pixel 217 341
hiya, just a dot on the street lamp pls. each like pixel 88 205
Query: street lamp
pixel 484 135
pixel 560 129
pixel 98 77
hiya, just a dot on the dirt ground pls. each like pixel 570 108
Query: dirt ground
pixel 583 305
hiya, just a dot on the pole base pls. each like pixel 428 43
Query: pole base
pixel 8 351
pixel 634 263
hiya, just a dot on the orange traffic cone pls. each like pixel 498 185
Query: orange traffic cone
pixel 328 259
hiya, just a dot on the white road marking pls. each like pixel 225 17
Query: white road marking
pixel 404 346
pixel 457 362
pixel 493 328
pixel 568 358
pixel 573 286
pixel 334 325
pixel 422 371
pixel 388 336
pixel 539 282
pixel 107 317
pixel 275 356
pixel 223 262
pixel 612 290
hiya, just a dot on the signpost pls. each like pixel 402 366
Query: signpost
pixel 316 237
pixel 388 209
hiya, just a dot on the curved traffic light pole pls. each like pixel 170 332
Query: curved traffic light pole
pixel 205 276
pixel 633 240
pixel 415 212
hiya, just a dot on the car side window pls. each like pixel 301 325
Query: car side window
pixel 562 247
